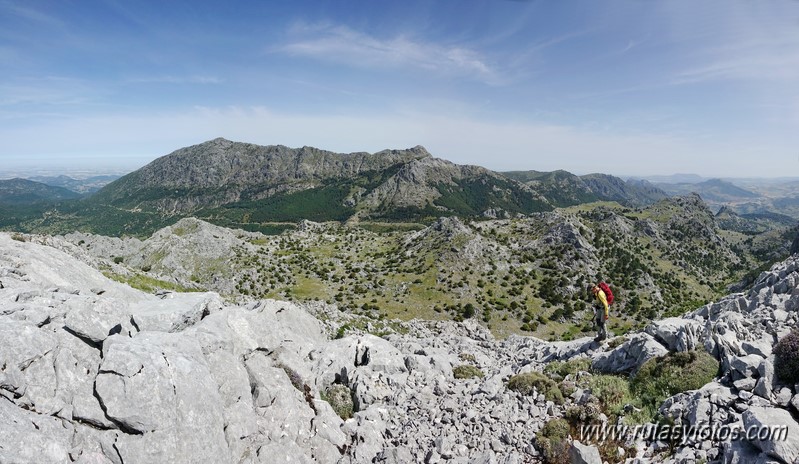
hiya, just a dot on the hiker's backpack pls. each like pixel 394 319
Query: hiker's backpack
pixel 608 294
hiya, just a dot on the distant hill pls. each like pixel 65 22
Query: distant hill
pixel 20 192
pixel 713 191
pixel 676 179
pixel 563 188
pixel 83 186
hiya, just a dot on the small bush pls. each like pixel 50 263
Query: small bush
pixel 612 391
pixel 293 376
pixel 616 342
pixel 786 358
pixel 118 259
pixel 665 376
pixel 298 383
pixel 535 381
pixel 467 371
pixel 560 369
pixel 467 357
pixel 340 399
pixel 584 415
pixel 553 441
pixel 342 330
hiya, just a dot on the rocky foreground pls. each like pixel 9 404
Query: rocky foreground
pixel 92 371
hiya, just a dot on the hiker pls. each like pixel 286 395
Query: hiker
pixel 601 312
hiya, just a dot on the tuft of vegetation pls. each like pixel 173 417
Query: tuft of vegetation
pixel 340 398
pixel 553 441
pixel 558 370
pixel 467 371
pixel 616 342
pixel 530 382
pixel 293 376
pixel 299 384
pixel 786 358
pixel 665 376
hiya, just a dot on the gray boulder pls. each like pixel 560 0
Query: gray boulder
pixel 774 421
pixel 158 389
pixel 30 437
pixel 560 351
pixel 630 355
pixel 338 360
pixel 584 454
pixel 745 366
pixel 765 384
pixel 175 312
pixel 97 322
pixel 677 334
pixel 26 364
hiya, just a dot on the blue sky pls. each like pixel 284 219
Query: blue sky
pixel 623 87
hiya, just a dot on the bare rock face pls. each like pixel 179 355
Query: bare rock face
pixel 158 389
pixel 677 334
pixel 630 356
pixel 770 421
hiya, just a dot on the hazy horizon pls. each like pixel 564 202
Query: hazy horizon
pixel 627 88
pixel 26 172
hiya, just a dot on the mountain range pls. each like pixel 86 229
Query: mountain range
pixel 252 187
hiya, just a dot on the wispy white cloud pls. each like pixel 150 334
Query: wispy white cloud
pixel 744 41
pixel 28 13
pixel 341 44
pixel 175 80
pixel 753 56
pixel 50 90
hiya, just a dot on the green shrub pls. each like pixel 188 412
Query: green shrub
pixel 613 392
pixel 786 358
pixel 340 399
pixel 616 342
pixel 342 330
pixel 467 371
pixel 665 376
pixel 584 415
pixel 560 369
pixel 553 441
pixel 535 381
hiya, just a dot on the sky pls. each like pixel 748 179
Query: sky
pixel 620 87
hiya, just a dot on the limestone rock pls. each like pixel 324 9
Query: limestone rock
pixel 158 389
pixel 97 322
pixel 176 312
pixel 677 334
pixel 630 355
pixel 584 454
pixel 772 420
pixel 31 437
